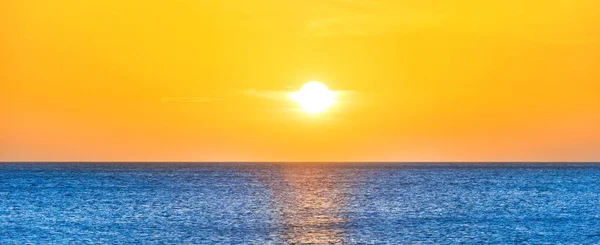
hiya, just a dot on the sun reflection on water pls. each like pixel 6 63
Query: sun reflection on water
pixel 310 203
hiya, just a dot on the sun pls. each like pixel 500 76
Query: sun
pixel 314 97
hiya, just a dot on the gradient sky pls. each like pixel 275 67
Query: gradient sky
pixel 428 80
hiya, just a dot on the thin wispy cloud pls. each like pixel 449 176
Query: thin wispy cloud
pixel 284 95
pixel 360 18
pixel 366 24
pixel 267 94
pixel 190 99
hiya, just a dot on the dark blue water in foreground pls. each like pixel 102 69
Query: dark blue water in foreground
pixel 299 203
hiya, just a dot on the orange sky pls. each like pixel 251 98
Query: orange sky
pixel 188 80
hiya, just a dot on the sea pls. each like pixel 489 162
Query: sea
pixel 299 203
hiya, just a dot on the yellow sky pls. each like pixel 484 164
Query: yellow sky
pixel 189 80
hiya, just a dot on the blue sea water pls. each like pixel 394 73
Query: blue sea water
pixel 299 203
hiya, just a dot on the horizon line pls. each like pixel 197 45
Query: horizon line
pixel 571 162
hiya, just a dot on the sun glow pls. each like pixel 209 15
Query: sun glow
pixel 314 97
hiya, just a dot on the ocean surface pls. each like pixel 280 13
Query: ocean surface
pixel 299 203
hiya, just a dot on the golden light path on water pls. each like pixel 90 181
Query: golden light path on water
pixel 310 204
